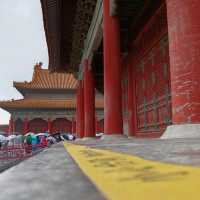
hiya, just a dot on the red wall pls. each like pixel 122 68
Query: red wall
pixel 38 125
pixel 61 125
pixel 100 126
pixel 125 98
pixel 148 60
pixel 19 126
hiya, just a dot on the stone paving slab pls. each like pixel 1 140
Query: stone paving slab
pixel 125 177
pixel 179 151
pixel 50 175
pixel 53 174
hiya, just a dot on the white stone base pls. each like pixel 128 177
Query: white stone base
pixel 182 131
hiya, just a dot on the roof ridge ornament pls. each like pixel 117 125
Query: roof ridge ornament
pixel 38 66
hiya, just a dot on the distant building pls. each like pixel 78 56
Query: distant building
pixel 48 104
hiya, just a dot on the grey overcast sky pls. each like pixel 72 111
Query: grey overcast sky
pixel 22 44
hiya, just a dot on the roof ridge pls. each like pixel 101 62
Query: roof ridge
pixel 44 79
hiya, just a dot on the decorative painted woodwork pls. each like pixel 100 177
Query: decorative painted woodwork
pixel 83 18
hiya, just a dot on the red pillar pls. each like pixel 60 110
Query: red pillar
pixel 184 52
pixel 89 101
pixel 80 110
pixel 26 126
pixel 10 129
pixel 112 73
pixel 49 126
pixel 13 126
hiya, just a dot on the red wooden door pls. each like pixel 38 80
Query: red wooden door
pixel 153 100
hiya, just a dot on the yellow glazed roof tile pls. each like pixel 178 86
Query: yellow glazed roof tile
pixel 44 79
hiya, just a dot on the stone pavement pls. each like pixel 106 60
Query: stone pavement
pixel 53 174
pixel 50 175
pixel 179 151
pixel 126 177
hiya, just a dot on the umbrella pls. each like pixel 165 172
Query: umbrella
pixel 29 134
pixel 3 138
pixel 10 137
pixel 51 139
pixel 30 137
pixel 43 134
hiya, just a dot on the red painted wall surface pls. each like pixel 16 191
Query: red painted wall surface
pixel 149 60
pixel 74 127
pixel 19 126
pixel 125 99
pixel 100 126
pixel 61 125
pixel 184 39
pixel 38 125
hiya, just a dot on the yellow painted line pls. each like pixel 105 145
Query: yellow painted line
pixel 124 177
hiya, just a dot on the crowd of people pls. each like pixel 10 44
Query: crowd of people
pixel 33 140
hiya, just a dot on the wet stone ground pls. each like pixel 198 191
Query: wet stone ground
pixel 53 174
pixel 9 158
pixel 5 164
pixel 179 151
pixel 6 160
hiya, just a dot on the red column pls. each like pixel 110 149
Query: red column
pixel 89 101
pixel 184 52
pixel 49 126
pixel 112 73
pixel 10 129
pixel 13 126
pixel 80 110
pixel 26 125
